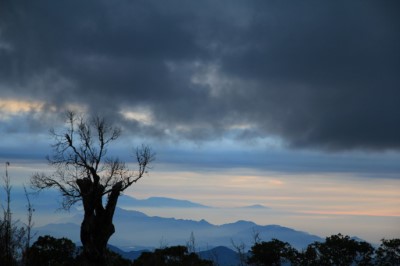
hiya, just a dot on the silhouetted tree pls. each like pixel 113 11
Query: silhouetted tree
pixel 85 173
pixel 113 259
pixel 271 253
pixel 12 236
pixel 241 252
pixel 171 256
pixel 29 226
pixel 48 250
pixel 388 252
pixel 338 250
pixel 191 243
pixel 308 257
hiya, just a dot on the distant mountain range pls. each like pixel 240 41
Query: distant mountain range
pixel 50 201
pixel 135 230
pixel 157 202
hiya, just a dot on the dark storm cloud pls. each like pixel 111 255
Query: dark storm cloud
pixel 319 74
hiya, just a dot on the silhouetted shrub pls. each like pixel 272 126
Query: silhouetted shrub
pixel 171 256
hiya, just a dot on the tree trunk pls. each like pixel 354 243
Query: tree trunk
pixel 97 226
pixel 95 233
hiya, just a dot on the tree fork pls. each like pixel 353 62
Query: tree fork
pixel 85 173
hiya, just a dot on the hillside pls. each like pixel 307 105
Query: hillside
pixel 136 230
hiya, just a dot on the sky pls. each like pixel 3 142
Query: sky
pixel 289 104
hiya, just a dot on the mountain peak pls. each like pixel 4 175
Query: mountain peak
pixel 255 206
pixel 157 202
pixel 240 224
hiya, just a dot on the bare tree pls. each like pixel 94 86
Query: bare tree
pixel 11 234
pixel 83 172
pixel 191 243
pixel 6 223
pixel 256 236
pixel 29 226
pixel 241 252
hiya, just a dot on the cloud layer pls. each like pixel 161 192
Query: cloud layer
pixel 318 75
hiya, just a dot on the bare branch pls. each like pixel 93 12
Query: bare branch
pixel 84 172
pixel 79 152
pixel 40 181
pixel 144 157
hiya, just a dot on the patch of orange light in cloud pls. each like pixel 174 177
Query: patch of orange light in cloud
pixel 18 106
pixel 13 107
pixel 276 182
pixel 248 181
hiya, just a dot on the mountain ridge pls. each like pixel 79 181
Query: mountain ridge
pixel 158 202
pixel 136 229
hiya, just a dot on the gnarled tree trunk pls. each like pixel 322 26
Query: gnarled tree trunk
pixel 97 226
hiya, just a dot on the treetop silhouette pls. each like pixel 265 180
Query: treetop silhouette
pixel 84 172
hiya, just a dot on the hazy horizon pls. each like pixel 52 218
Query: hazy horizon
pixel 290 200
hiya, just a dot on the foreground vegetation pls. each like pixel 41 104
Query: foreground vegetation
pixel 335 250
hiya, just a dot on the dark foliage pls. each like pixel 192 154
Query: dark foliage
pixel 272 253
pixel 336 250
pixel 342 250
pixel 171 256
pixel 388 253
pixel 14 238
pixel 48 250
pixel 111 259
